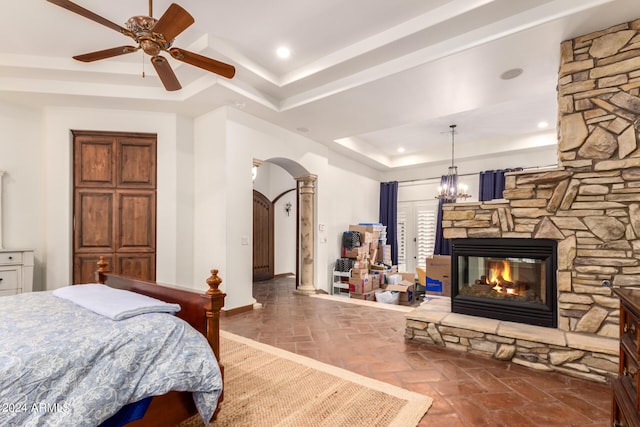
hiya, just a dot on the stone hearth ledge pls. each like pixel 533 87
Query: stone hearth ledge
pixel 537 347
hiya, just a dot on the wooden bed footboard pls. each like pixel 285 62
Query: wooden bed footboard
pixel 201 311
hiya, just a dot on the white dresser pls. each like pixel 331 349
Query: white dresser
pixel 16 271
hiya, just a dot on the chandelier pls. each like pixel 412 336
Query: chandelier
pixel 450 190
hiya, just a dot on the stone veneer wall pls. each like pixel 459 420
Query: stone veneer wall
pixel 591 203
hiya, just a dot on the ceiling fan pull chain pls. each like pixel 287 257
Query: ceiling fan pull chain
pixel 143 76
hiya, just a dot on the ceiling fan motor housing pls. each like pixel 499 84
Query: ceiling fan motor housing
pixel 142 28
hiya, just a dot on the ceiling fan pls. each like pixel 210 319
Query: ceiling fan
pixel 152 36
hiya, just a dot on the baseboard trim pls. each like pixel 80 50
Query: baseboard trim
pixel 237 310
pixel 275 276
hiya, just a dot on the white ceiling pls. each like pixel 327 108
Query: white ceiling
pixel 365 77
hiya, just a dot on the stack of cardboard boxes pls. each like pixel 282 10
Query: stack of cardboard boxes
pixel 364 282
pixel 368 277
pixel 370 243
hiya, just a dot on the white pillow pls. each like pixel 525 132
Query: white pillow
pixel 116 304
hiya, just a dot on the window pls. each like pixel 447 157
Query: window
pixel 416 233
pixel 425 233
pixel 402 240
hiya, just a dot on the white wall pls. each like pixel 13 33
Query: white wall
pixel 336 207
pixel 273 180
pixel 210 198
pixel 354 198
pixel 22 160
pixel 57 144
pixel 285 235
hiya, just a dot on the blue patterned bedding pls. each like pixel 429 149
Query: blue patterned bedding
pixel 63 365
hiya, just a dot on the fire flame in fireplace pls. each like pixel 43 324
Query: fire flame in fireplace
pixel 500 277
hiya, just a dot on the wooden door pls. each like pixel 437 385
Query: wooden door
pixel 262 238
pixel 114 204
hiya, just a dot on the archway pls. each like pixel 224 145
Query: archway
pixel 305 229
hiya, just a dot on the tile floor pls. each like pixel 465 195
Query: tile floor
pixel 467 390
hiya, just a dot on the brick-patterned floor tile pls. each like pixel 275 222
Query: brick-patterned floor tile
pixel 468 390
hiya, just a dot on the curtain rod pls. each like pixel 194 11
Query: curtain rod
pixel 416 181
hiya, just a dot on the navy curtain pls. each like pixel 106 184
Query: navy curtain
pixel 389 215
pixel 492 184
pixel 442 245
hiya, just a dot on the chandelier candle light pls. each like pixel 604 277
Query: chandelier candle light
pixel 450 189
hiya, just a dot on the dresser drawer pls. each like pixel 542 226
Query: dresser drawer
pixel 9 279
pixel 10 258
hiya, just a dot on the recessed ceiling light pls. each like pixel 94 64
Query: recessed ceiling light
pixel 543 125
pixel 511 74
pixel 401 150
pixel 283 52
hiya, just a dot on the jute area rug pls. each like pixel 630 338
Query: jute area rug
pixel 266 386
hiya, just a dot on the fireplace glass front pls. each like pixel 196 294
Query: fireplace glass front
pixel 505 279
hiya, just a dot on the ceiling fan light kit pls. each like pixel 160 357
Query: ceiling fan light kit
pixel 153 36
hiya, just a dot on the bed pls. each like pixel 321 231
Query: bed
pixel 40 385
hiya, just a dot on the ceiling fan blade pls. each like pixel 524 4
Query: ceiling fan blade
pixel 107 53
pixel 174 21
pixel 225 70
pixel 165 72
pixel 90 15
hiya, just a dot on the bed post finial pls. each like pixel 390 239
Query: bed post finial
pixel 103 269
pixel 214 282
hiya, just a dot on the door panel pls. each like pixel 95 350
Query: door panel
pixel 136 165
pixel 94 227
pixel 262 238
pixel 136 221
pixel 114 204
pixel 94 162
pixel 139 266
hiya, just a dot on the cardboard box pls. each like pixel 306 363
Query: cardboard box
pixel 376 278
pixel 367 296
pixel 359 286
pixel 359 273
pixel 406 290
pixel 361 229
pixel 408 277
pixel 438 269
pixel 360 251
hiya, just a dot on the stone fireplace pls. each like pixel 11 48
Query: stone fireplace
pixel 589 205
pixel 505 279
